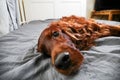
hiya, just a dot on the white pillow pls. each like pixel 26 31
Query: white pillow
pixel 4 18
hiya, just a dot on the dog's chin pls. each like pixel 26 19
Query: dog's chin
pixel 70 71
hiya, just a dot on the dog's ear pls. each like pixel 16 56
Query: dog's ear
pixel 115 30
pixel 42 41
pixel 40 44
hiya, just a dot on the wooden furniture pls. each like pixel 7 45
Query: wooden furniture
pixel 108 13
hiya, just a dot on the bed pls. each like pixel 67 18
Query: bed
pixel 19 59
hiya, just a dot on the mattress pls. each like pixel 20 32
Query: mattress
pixel 19 59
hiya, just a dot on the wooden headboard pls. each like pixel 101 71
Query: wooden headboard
pixel 22 11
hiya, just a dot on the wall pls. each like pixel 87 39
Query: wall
pixel 45 9
pixel 90 7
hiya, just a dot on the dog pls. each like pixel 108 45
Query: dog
pixel 63 40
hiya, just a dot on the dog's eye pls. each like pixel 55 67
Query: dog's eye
pixel 55 34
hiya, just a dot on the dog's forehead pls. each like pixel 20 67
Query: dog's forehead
pixel 54 27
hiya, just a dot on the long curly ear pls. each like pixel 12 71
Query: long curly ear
pixel 115 30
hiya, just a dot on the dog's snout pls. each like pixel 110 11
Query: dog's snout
pixel 63 60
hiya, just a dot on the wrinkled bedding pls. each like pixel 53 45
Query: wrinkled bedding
pixel 19 59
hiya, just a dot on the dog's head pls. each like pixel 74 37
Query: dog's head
pixel 57 42
pixel 64 39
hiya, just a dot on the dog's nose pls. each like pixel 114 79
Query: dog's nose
pixel 63 60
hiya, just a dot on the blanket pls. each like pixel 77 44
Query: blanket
pixel 19 59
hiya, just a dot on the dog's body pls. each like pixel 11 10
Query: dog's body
pixel 64 39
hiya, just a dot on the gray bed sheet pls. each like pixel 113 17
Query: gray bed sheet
pixel 19 59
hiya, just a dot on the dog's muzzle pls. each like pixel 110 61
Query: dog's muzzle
pixel 63 61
